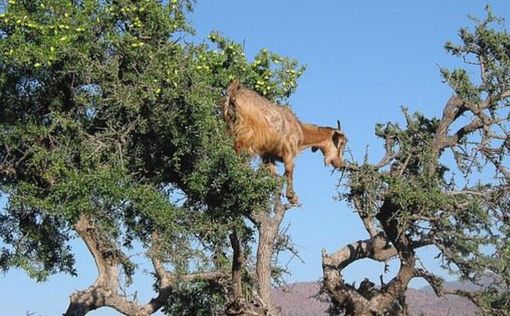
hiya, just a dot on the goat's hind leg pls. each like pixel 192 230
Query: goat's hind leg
pixel 289 171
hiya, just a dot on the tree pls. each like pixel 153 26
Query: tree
pixel 442 182
pixel 110 132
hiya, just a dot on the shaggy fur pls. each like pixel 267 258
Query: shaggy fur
pixel 275 134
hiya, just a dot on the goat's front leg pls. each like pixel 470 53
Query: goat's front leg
pixel 289 171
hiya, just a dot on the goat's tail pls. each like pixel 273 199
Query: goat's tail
pixel 228 103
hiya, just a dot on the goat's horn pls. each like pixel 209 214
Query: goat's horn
pixel 339 125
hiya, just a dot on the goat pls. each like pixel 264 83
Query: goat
pixel 274 133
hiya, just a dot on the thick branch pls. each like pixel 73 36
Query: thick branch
pixel 268 227
pixel 365 217
pixel 275 215
pixel 453 109
pixel 237 266
pixel 435 282
pixel 395 289
pixel 341 293
pixel 104 291
pixel 389 155
pixel 461 132
pixel 167 280
pixel 376 248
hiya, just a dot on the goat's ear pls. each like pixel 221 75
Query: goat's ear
pixel 338 137
pixel 314 149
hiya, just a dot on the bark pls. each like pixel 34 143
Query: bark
pixel 239 306
pixel 367 299
pixel 473 108
pixel 383 245
pixel 364 300
pixel 268 225
pixel 267 236
pixel 390 239
pixel 237 268
pixel 105 290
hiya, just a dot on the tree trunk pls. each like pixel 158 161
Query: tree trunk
pixel 267 234
pixel 104 291
pixel 268 225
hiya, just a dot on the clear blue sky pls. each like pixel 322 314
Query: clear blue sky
pixel 365 59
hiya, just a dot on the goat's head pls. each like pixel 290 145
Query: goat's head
pixel 333 148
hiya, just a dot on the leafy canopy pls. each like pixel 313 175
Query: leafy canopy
pixel 106 112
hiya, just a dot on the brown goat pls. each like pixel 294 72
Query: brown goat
pixel 275 134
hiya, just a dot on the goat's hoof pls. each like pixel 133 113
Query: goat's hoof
pixel 293 199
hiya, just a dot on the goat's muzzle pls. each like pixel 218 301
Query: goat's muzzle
pixel 337 163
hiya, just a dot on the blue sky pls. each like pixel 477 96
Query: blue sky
pixel 365 59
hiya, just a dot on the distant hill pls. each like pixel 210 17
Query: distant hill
pixel 299 299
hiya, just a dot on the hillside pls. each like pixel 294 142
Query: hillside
pixel 299 299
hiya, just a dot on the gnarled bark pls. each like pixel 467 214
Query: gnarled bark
pixel 268 225
pixel 389 239
pixel 105 290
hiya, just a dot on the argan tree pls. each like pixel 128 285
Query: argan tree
pixel 444 183
pixel 110 132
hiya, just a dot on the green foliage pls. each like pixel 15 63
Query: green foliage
pixel 464 223
pixel 270 74
pixel 487 43
pixel 419 197
pixel 105 112
pixel 197 299
pixel 415 179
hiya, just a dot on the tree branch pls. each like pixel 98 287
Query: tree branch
pixel 365 217
pixel 452 110
pixel 435 282
pixel 376 248
pixel 389 154
pixel 104 292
